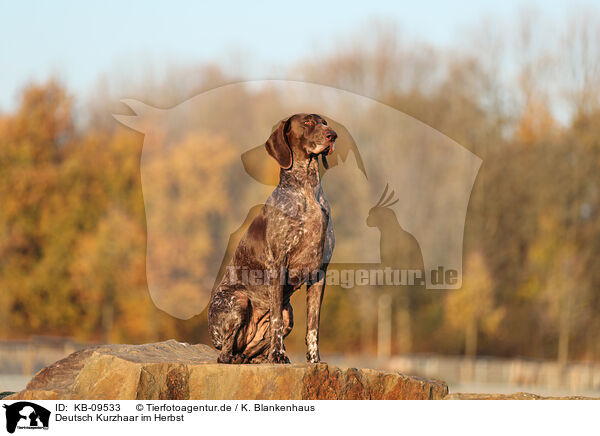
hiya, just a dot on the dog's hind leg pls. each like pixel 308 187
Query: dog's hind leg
pixel 258 337
pixel 258 350
pixel 228 315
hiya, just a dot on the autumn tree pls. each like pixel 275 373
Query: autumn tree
pixel 472 307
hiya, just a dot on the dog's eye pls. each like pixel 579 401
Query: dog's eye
pixel 308 122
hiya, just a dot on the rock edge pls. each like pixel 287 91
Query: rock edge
pixel 173 370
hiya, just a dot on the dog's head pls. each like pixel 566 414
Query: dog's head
pixel 301 137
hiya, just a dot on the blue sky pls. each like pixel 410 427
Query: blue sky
pixel 78 41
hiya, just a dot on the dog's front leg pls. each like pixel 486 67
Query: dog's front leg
pixel 314 297
pixel 276 351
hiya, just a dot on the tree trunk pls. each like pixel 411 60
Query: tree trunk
pixel 404 335
pixel 384 326
pixel 108 315
pixel 563 335
pixel 471 339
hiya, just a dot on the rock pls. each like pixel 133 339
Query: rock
pixel 174 371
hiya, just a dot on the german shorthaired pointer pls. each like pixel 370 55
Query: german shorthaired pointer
pixel 289 243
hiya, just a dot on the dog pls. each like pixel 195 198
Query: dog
pixel 287 245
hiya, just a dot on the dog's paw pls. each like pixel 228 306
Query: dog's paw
pixel 231 358
pixel 278 356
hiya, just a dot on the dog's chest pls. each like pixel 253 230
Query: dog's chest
pixel 307 237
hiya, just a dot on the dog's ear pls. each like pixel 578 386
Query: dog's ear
pixel 278 147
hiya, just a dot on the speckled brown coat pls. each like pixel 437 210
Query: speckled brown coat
pixel 288 244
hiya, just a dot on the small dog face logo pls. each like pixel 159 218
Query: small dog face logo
pixel 26 415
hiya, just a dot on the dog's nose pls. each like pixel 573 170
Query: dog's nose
pixel 331 135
